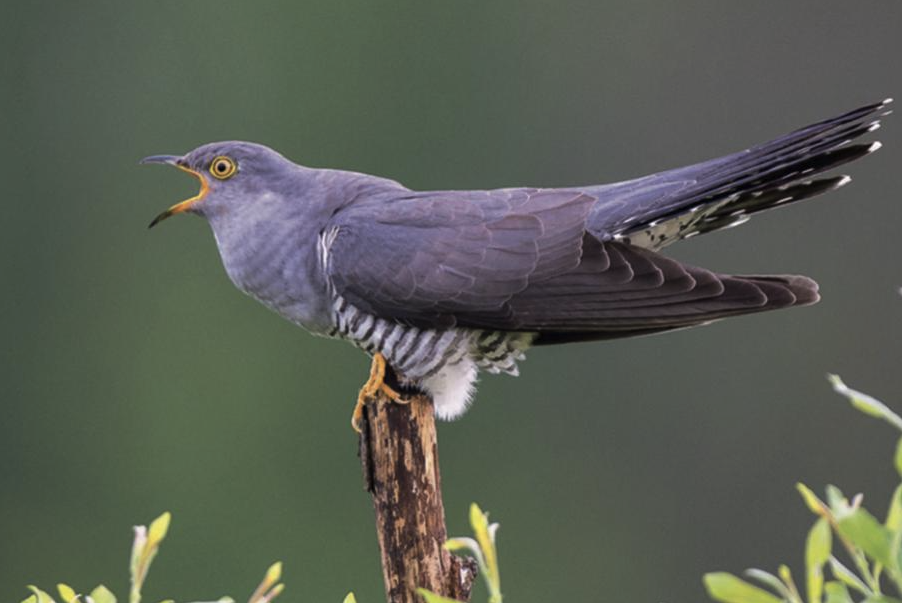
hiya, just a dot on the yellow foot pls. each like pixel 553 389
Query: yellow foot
pixel 373 385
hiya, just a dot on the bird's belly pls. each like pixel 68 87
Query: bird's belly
pixel 415 354
pixel 444 362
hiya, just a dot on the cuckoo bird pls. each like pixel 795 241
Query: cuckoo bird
pixel 442 284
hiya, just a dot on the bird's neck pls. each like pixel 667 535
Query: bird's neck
pixel 268 243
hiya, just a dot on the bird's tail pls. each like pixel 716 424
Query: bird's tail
pixel 657 210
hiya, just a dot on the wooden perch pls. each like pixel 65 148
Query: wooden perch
pixel 399 457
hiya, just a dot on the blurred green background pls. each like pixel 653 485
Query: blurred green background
pixel 134 379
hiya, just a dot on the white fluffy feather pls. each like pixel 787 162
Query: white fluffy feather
pixel 452 388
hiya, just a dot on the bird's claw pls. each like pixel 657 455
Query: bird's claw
pixel 374 385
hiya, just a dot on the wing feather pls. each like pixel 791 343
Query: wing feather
pixel 528 265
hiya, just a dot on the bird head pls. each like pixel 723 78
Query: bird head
pixel 229 173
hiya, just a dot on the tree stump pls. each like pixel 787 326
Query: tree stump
pixel 399 458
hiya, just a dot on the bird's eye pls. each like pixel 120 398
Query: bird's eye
pixel 223 167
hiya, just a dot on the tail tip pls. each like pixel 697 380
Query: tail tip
pixel 805 289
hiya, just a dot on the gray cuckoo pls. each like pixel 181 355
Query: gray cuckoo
pixel 442 284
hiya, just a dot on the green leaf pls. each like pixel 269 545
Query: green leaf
pixel 836 500
pixel 273 574
pixel 881 599
pixel 350 598
pixel 488 559
pixel 157 531
pixel 815 504
pixel 898 457
pixel 275 591
pixel 268 590
pixel 727 588
pixel 865 403
pixel 893 521
pixel 140 539
pixel 866 533
pixel 40 595
pixel 847 577
pixel 30 599
pixel 479 521
pixel 102 594
pixel 817 550
pixel 463 544
pixel 837 593
pixel 431 597
pixel 770 580
pixel 67 593
pixel 786 576
pixel 817 553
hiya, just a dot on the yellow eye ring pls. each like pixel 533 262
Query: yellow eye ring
pixel 223 167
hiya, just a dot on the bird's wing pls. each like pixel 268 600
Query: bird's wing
pixel 521 260
pixel 434 257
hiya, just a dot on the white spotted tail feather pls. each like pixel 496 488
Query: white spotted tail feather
pixel 661 209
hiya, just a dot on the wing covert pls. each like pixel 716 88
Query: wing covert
pixel 430 258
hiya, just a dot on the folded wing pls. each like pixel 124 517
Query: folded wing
pixel 521 260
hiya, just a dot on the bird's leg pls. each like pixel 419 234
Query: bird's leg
pixel 373 385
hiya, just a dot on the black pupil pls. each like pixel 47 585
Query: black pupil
pixel 222 167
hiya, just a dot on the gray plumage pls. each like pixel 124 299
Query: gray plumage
pixel 445 283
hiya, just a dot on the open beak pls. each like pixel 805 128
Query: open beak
pixel 185 205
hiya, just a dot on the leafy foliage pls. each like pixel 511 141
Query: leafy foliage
pixel 483 548
pixel 147 542
pixel 874 548
pixel 145 546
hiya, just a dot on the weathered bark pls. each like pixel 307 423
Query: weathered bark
pixel 399 457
